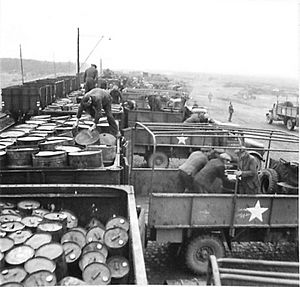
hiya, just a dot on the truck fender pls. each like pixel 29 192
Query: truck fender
pixel 258 158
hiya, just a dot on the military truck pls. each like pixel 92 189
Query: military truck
pixel 286 112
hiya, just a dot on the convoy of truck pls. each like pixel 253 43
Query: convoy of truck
pixel 200 225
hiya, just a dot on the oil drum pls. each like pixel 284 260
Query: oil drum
pixel 95 233
pixel 30 140
pixel 6 244
pixel 20 156
pixel 72 220
pixel 55 252
pixel 31 222
pixel 20 236
pixel 96 274
pixel 85 159
pixel 51 159
pixel 19 255
pixel 39 263
pixel 108 152
pixel 3 158
pixel 89 257
pixel 64 130
pixel 95 246
pixel 57 217
pixel 54 228
pixel 74 236
pixel 38 239
pixel 27 206
pixel 119 267
pixel 72 254
pixel 117 221
pixel 51 144
pixel 14 274
pixel 116 239
pixel 43 277
pixel 71 281
pixel 11 226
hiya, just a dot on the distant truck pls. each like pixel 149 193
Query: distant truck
pixel 286 112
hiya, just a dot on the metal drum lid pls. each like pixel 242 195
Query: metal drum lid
pixel 83 126
pixel 8 211
pixel 10 217
pixel 12 134
pixel 40 212
pixel 95 246
pixel 6 205
pixel 108 139
pixel 81 229
pixel 30 139
pixel 95 233
pixel 53 138
pixel 56 217
pixel 41 117
pixel 20 236
pixel 7 142
pixel 39 263
pixel 68 148
pixel 119 266
pixel 32 221
pixel 6 244
pixel 46 128
pixel 51 250
pixel 11 226
pixel 19 255
pixel 28 205
pixel 115 237
pixel 96 274
pixel 26 126
pixel 72 251
pixel 15 274
pixel 60 118
pixel 43 277
pixel 117 221
pixel 89 257
pixel 72 220
pixel 74 236
pixel 38 239
pixel 49 153
pixel 86 137
pixel 50 226
pixel 2 148
pixel 35 122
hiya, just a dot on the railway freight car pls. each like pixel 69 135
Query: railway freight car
pixel 84 233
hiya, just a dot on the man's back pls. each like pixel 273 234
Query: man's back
pixel 91 72
pixel 196 161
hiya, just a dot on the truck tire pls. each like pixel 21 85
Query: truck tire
pixel 159 159
pixel 268 179
pixel 269 119
pixel 198 251
pixel 290 125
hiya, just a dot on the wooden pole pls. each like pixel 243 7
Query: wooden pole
pixel 22 71
pixel 78 62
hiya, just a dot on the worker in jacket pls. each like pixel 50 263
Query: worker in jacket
pixel 116 95
pixel 215 168
pixel 186 172
pixel 90 78
pixel 93 102
pixel 247 172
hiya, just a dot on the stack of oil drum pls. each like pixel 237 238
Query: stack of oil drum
pixel 40 247
pixel 48 142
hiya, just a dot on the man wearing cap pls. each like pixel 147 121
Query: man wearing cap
pixel 215 168
pixel 90 77
pixel 186 172
pixel 116 95
pixel 93 102
pixel 247 172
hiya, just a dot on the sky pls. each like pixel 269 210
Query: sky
pixel 244 37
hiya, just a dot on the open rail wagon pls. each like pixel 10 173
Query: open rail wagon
pixel 94 218
pixel 158 142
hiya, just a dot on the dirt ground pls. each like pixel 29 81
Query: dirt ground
pixel 248 113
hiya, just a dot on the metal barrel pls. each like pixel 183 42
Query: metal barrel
pixel 13 275
pixel 3 158
pixel 55 252
pixel 44 277
pixel 72 254
pixel 45 159
pixel 116 239
pixel 30 140
pixel 39 263
pixel 119 267
pixel 85 159
pixel 108 152
pixel 20 156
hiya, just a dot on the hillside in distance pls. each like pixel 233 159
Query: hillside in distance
pixel 10 70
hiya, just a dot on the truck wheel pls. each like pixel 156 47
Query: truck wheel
pixel 269 119
pixel 198 251
pixel 290 125
pixel 159 159
pixel 268 179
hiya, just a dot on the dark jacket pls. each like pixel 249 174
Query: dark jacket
pixel 100 100
pixel 116 96
pixel 196 161
pixel 205 178
pixel 90 73
pixel 249 178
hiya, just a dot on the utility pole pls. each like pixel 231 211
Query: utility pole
pixel 22 71
pixel 101 67
pixel 78 62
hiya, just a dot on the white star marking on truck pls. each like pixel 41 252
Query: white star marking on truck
pixel 256 211
pixel 182 139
